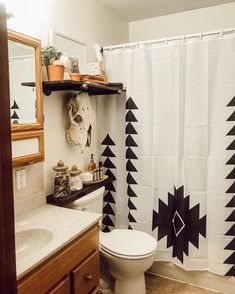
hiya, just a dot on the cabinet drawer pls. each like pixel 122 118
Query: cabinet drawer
pixel 85 278
pixel 62 288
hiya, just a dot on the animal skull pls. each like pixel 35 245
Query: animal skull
pixel 81 118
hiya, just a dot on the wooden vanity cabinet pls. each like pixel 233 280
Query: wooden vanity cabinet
pixel 72 270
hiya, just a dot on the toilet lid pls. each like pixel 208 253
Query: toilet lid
pixel 128 242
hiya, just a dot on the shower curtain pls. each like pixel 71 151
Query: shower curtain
pixel 169 143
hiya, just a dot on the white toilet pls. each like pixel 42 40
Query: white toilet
pixel 128 253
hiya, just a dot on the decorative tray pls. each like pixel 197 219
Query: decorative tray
pixel 95 182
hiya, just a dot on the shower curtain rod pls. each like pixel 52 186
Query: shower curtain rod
pixel 166 40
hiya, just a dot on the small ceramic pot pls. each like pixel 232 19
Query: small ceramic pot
pixel 75 76
pixel 55 72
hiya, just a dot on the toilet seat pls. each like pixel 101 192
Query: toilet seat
pixel 129 244
pixel 102 249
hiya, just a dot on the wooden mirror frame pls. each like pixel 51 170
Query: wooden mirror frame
pixel 29 158
pixel 36 44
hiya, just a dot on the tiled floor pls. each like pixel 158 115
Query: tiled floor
pixel 159 285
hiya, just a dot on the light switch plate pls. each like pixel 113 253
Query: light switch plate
pixel 20 179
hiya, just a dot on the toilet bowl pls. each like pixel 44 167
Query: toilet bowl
pixel 127 253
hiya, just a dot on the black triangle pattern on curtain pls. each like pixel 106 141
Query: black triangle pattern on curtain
pixel 231 146
pixel 14 114
pixel 231 203
pixel 15 105
pixel 131 156
pixel 232 117
pixel 231 175
pixel 108 221
pixel 179 223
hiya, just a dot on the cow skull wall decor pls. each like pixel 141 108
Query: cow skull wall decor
pixel 81 119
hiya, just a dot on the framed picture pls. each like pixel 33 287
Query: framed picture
pixel 70 47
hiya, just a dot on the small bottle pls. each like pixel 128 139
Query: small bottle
pixel 95 175
pixel 61 180
pixel 98 173
pixel 100 170
pixel 91 166
pixel 75 179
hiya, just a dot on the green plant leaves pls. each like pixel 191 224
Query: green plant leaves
pixel 49 55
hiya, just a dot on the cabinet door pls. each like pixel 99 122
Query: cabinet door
pixel 62 288
pixel 62 263
pixel 85 278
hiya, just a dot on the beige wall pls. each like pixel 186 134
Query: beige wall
pixel 194 21
pixel 33 195
pixel 90 22
pixel 86 20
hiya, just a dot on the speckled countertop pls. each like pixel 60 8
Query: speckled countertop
pixel 61 225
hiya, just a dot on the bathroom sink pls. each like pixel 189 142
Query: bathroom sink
pixel 31 240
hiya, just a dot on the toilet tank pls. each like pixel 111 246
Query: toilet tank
pixel 92 202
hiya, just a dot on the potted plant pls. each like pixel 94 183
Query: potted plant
pixel 74 69
pixel 55 62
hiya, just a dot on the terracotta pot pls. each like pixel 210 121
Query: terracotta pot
pixel 55 72
pixel 75 76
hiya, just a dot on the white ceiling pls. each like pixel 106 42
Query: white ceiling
pixel 133 10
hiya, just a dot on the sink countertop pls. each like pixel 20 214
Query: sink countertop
pixel 65 225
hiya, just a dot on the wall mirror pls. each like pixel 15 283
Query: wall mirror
pixel 24 56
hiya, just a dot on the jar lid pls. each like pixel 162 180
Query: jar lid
pixel 60 166
pixel 74 171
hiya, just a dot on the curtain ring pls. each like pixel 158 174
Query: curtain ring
pixel 183 38
pixel 166 41
pixel 200 35
pixel 149 43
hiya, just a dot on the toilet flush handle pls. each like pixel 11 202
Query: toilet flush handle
pixel 84 209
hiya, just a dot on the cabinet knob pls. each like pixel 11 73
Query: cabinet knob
pixel 88 276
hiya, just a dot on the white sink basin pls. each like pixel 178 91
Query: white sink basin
pixel 31 240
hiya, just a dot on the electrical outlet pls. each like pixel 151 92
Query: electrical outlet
pixel 20 179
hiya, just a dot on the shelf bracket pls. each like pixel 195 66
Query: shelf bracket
pixel 47 92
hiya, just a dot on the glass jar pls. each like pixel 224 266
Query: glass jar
pixel 75 179
pixel 61 180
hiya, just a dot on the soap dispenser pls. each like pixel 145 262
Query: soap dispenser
pixel 91 166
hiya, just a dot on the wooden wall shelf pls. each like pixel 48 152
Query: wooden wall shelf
pixel 90 88
pixel 63 201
